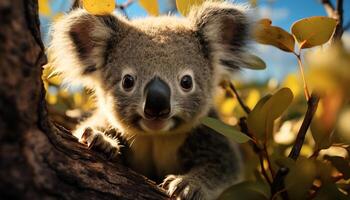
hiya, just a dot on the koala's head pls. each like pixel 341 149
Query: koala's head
pixel 152 75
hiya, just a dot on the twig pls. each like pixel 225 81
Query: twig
pixel 263 170
pixel 301 69
pixel 256 148
pixel 268 161
pixel 240 101
pixel 278 184
pixel 328 6
pixel 125 5
pixel 315 154
pixel 311 110
pixel 339 16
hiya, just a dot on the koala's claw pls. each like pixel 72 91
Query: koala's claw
pixel 182 188
pixel 98 141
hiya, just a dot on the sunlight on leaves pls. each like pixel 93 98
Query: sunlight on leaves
pixel 313 31
pixel 151 6
pixel 226 130
pixel 99 7
pixel 264 33
pixel 260 120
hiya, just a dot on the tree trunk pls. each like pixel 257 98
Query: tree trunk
pixel 39 160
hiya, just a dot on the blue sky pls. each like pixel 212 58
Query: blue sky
pixel 282 12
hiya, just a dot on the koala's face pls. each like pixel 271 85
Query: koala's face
pixel 153 75
pixel 159 77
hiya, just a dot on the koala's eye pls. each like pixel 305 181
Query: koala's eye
pixel 128 82
pixel 186 83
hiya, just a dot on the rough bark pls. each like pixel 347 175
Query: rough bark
pixel 39 160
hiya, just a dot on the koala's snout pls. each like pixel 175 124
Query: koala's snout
pixel 157 99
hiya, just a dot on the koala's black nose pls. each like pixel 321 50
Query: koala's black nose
pixel 157 104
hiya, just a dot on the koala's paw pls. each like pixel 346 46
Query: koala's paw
pixel 101 142
pixel 183 188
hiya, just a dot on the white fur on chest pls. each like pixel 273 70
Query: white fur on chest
pixel 156 155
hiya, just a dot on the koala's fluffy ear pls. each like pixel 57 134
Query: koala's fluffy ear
pixel 223 30
pixel 80 42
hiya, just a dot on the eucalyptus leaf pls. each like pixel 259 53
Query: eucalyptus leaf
pixel 226 130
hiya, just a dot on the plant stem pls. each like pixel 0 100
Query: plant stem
pixel 278 182
pixel 301 69
pixel 263 170
pixel 311 110
pixel 268 160
pixel 240 101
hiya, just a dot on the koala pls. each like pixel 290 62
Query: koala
pixel 154 79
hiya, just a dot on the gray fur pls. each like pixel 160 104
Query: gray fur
pixel 191 161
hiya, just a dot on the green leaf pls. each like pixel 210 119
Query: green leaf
pixel 322 137
pixel 313 31
pixel 226 130
pixel 256 119
pixel 342 165
pixel 248 191
pixel 300 178
pixel 253 62
pixel 260 120
pixel 278 103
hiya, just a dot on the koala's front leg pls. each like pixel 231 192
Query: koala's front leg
pixel 211 163
pixel 95 133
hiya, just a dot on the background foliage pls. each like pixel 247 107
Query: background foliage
pixel 295 133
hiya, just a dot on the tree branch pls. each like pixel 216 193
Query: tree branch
pixel 328 6
pixel 240 101
pixel 311 110
pixel 39 160
pixel 278 183
pixel 339 16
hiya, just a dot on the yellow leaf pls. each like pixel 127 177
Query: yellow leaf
pixel 260 120
pixel 264 33
pixel 78 99
pixel 64 93
pixel 99 7
pixel 253 98
pixel 278 103
pixel 253 62
pixel 265 21
pixel 57 17
pixel 227 106
pixel 313 31
pixel 256 119
pixel 151 6
pixel 253 3
pixel 293 83
pixel 51 98
pixel 44 8
pixel 184 6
